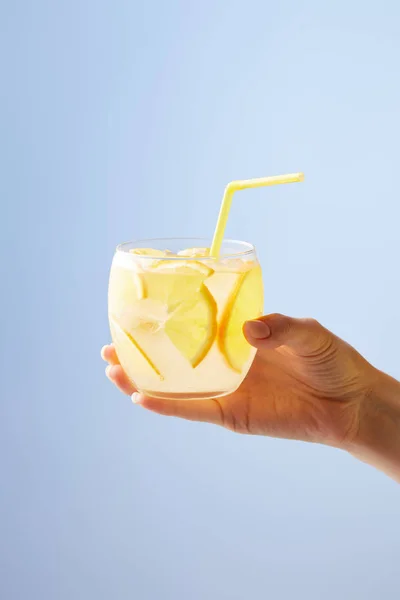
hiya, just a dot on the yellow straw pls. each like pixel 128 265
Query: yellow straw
pixel 233 187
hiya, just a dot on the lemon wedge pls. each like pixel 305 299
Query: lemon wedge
pixel 244 303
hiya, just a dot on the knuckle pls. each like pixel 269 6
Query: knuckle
pixel 311 322
pixel 279 323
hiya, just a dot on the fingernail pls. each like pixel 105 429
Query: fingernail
pixel 257 330
pixel 108 369
pixel 135 398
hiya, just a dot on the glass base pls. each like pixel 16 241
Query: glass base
pixel 188 396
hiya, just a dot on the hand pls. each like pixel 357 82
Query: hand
pixel 304 384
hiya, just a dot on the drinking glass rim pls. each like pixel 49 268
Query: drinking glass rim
pixel 127 246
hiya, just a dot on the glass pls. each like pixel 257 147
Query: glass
pixel 176 315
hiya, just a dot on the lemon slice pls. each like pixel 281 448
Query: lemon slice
pixel 195 252
pixel 147 252
pixel 192 326
pixel 191 311
pixel 172 282
pixel 182 267
pixel 245 303
pixel 130 354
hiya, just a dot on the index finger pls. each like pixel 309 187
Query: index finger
pixel 109 354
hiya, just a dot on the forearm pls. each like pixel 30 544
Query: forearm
pixel 378 440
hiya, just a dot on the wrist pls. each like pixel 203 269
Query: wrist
pixel 378 438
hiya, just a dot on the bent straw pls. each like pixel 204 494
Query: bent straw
pixel 233 187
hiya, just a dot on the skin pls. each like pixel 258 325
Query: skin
pixel 305 384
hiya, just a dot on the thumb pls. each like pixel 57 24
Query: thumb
pixel 304 336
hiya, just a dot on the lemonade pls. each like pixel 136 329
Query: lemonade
pixel 176 317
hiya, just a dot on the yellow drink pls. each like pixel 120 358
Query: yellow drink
pixel 176 317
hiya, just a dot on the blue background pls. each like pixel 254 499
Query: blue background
pixel 122 119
